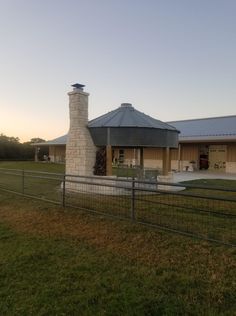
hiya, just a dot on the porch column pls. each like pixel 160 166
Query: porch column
pixel 179 157
pixel 169 164
pixel 166 160
pixel 134 157
pixel 36 149
pixel 54 154
pixel 108 160
pixel 141 158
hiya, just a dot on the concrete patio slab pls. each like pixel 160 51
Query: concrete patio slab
pixel 187 176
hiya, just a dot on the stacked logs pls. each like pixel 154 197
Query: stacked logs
pixel 100 163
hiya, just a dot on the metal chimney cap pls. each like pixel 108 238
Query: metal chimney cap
pixel 126 105
pixel 78 86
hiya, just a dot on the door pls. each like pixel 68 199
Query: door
pixel 204 157
pixel 217 157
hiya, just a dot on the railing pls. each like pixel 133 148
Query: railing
pixel 194 210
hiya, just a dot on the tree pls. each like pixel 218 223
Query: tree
pixel 37 140
pixel 12 149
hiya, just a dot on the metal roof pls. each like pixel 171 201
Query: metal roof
pixel 134 137
pixel 205 129
pixel 127 116
pixel 213 128
pixel 127 127
pixel 62 140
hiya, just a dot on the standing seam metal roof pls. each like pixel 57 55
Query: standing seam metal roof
pixel 200 129
pixel 205 127
pixel 62 140
pixel 127 116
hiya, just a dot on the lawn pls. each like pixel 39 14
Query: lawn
pixel 35 166
pixel 66 262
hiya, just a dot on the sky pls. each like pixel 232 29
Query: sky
pixel 172 59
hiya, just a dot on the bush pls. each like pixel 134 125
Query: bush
pixel 12 149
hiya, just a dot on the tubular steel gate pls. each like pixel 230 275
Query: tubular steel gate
pixel 194 210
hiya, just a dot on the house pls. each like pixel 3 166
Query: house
pixel 208 143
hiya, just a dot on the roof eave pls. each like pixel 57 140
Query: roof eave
pixel 189 139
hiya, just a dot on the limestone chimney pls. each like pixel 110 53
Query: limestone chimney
pixel 80 149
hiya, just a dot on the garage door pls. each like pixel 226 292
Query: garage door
pixel 217 157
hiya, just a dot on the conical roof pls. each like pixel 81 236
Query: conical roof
pixel 128 127
pixel 127 116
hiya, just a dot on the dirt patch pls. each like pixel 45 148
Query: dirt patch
pixel 102 233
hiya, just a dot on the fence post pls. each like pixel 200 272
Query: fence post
pixel 133 199
pixel 23 182
pixel 64 191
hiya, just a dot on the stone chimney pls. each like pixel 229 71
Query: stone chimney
pixel 80 149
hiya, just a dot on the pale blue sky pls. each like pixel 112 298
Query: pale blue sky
pixel 172 59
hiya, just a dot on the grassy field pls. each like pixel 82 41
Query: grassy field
pixel 65 262
pixel 31 165
pixel 57 261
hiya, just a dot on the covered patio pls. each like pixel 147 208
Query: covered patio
pixel 126 128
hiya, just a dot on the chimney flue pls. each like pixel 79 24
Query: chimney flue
pixel 78 86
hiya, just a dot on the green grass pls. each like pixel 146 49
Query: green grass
pixel 31 165
pixel 228 184
pixel 56 262
pixel 46 276
pixel 43 188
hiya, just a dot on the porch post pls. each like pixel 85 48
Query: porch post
pixel 166 159
pixel 179 156
pixel 141 158
pixel 134 157
pixel 169 164
pixel 108 160
pixel 36 154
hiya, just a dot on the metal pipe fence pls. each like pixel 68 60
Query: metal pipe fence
pixel 204 212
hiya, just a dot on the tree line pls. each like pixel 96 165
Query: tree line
pixel 12 149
